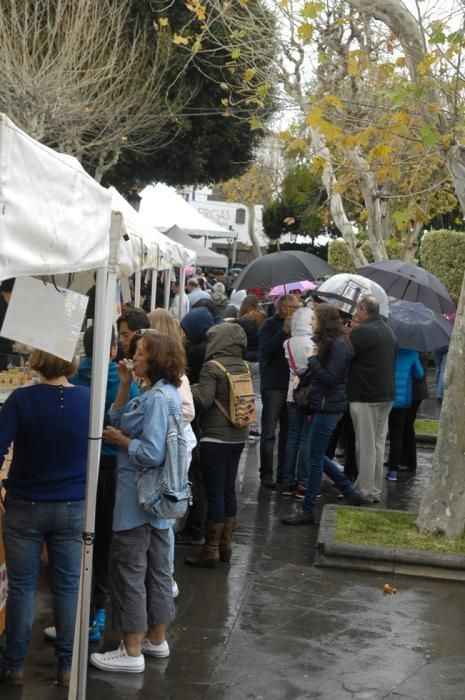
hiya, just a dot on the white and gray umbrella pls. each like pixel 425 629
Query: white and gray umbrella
pixel 344 290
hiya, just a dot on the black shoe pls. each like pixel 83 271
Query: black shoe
pixel 9 677
pixel 183 537
pixel 254 433
pixel 358 500
pixel 268 483
pixel 300 517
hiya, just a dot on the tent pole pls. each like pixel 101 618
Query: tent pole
pixel 167 288
pixel 104 312
pixel 137 283
pixel 182 284
pixel 153 295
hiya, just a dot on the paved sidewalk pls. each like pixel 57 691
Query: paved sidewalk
pixel 272 626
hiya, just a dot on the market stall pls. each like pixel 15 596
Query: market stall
pixel 56 219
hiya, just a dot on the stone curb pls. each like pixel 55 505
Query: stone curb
pixel 448 567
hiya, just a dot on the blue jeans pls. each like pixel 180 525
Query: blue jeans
pixel 26 528
pixel 298 436
pixel 220 462
pixel 322 427
pixel 274 411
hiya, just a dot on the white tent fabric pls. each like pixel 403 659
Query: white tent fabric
pixel 53 216
pixel 165 208
pixel 205 256
pixel 149 248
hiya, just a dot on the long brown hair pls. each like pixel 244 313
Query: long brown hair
pixel 166 357
pixel 329 327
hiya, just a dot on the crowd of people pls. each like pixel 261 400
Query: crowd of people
pixel 322 382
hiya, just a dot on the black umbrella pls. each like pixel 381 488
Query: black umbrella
pixel 279 268
pixel 418 328
pixel 403 280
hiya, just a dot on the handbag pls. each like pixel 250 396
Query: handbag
pixel 301 393
pixel 165 491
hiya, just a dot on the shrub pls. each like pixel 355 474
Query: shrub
pixel 443 254
pixel 339 258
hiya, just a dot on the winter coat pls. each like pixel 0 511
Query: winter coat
pixel 408 370
pixel 298 346
pixel 274 370
pixel 221 302
pixel 328 379
pixel 371 371
pixel 195 325
pixel 83 378
pixel 226 344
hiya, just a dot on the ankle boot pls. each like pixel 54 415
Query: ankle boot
pixel 209 556
pixel 225 544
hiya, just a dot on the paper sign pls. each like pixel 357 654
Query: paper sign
pixel 45 317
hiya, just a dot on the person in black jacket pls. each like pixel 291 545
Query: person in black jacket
pixel 328 366
pixel 371 391
pixel 274 380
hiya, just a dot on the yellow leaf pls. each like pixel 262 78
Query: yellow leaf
pixel 164 21
pixel 434 107
pixel 401 117
pixel 381 150
pixel 353 69
pixel 225 102
pixel 305 32
pixel 197 8
pixel 330 131
pixel 332 101
pixel 284 135
pixel 297 145
pixel 180 40
pixel 314 117
pixel 249 74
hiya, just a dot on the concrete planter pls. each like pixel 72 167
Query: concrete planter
pixel 340 555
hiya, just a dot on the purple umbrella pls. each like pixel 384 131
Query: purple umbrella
pixel 303 286
pixel 403 280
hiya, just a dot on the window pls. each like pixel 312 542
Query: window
pixel 240 216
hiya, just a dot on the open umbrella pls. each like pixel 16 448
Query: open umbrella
pixel 280 268
pixel 281 289
pixel 343 290
pixel 418 328
pixel 403 280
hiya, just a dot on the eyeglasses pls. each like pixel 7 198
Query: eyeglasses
pixel 142 331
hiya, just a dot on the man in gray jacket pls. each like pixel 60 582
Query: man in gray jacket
pixel 371 391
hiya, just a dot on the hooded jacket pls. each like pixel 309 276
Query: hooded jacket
pixel 298 346
pixel 195 325
pixel 83 378
pixel 227 344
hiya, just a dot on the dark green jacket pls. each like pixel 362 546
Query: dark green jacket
pixel 227 344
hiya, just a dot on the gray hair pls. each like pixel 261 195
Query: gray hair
pixel 219 287
pixel 369 303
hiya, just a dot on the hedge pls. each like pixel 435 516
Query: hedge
pixel 443 254
pixel 339 258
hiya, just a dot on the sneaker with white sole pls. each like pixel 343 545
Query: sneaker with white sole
pixel 175 589
pixel 50 634
pixel 118 661
pixel 160 650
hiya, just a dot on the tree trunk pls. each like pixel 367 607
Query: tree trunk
pixel 372 201
pixel 442 508
pixel 252 233
pixel 335 200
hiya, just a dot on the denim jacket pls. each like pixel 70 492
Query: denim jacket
pixel 145 420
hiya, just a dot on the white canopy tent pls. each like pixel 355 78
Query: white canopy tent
pixel 205 256
pixel 165 208
pixel 54 218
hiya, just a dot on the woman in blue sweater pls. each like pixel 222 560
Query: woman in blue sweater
pixel 45 493
pixel 328 365
pixel 408 370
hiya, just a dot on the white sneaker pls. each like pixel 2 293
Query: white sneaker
pixel 175 589
pixel 161 650
pixel 118 661
pixel 50 634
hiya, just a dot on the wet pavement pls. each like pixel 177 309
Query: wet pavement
pixel 273 626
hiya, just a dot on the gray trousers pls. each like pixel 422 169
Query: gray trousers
pixel 370 424
pixel 140 574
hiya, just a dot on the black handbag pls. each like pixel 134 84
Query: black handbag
pixel 302 394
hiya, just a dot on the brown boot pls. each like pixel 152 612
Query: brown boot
pixel 209 556
pixel 225 544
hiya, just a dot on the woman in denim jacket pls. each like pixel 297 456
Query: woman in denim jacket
pixel 141 584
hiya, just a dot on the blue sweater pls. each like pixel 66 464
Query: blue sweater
pixel 408 370
pixel 83 378
pixel 49 426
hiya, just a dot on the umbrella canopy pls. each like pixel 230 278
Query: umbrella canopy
pixel 281 289
pixel 417 327
pixel 281 268
pixel 344 290
pixel 403 280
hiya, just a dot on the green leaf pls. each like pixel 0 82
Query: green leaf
pixel 429 136
pixel 235 53
pixel 402 217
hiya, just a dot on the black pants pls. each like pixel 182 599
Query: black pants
pixel 408 457
pixel 106 488
pixel 197 515
pixel 397 418
pixel 220 462
pixel 274 411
